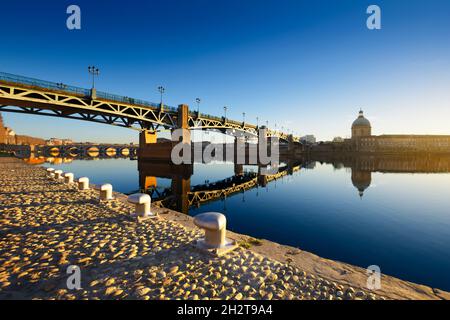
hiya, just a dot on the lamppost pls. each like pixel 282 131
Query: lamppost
pixel 257 122
pixel 267 124
pixel 198 100
pixel 95 72
pixel 225 108
pixel 243 117
pixel 61 85
pixel 161 90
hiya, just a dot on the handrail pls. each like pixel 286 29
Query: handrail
pixel 8 77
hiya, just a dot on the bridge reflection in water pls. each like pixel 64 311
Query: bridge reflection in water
pixel 181 195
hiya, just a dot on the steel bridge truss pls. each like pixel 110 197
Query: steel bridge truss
pixel 18 98
pixel 198 197
pixel 71 106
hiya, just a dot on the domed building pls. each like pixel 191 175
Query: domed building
pixel 362 141
pixel 361 127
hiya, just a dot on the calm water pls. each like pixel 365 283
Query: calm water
pixel 394 213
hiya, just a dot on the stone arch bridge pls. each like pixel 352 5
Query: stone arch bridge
pixel 85 150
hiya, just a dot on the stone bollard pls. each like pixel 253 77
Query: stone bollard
pixel 215 226
pixel 83 183
pixel 68 177
pixel 142 203
pixel 58 174
pixel 106 192
pixel 50 171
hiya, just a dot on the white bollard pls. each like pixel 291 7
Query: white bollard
pixel 51 176
pixel 83 183
pixel 58 174
pixel 68 177
pixel 106 192
pixel 50 171
pixel 142 203
pixel 215 226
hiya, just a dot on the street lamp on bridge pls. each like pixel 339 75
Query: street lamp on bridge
pixel 161 90
pixel 61 85
pixel 95 72
pixel 243 118
pixel 198 100
pixel 225 108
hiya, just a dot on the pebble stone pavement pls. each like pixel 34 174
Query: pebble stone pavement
pixel 46 225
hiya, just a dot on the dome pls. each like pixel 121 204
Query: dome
pixel 361 121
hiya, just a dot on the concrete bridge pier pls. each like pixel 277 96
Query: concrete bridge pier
pixel 179 174
pixel 83 152
pixel 291 144
pixel 150 149
pixel 262 177
pixel 181 187
pixel 290 167
pixel 238 169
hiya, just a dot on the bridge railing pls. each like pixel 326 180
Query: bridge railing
pixel 42 83
pixel 8 77
pixel 193 114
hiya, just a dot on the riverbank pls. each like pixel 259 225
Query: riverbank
pixel 46 226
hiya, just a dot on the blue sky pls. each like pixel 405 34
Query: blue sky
pixel 305 65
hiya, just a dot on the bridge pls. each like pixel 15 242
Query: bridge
pixel 181 196
pixel 77 151
pixel 222 189
pixel 56 160
pixel 86 150
pixel 26 95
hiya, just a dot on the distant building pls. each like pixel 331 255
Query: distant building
pixel 338 140
pixel 58 142
pixel 363 141
pixel 309 139
pixel 8 136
